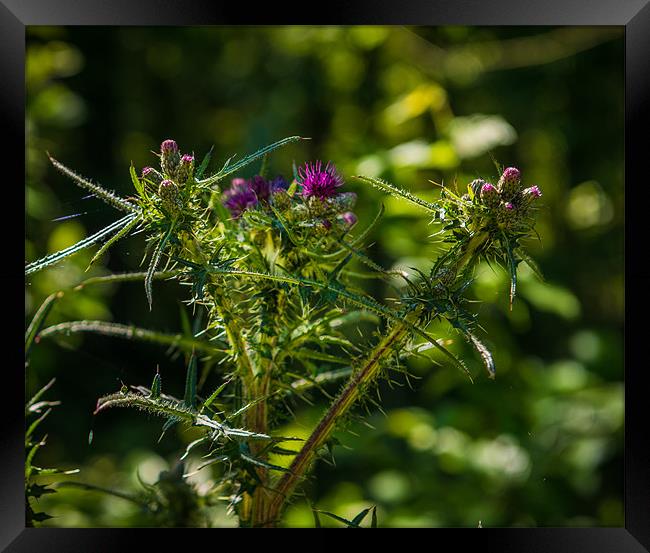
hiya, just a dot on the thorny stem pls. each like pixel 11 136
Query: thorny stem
pixel 249 384
pixel 234 333
pixel 259 413
pixel 350 393
pixel 323 431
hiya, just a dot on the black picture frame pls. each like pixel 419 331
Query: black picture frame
pixel 634 15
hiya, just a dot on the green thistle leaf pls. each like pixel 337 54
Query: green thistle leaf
pixel 156 387
pixel 398 192
pixel 131 332
pixel 190 383
pixel 229 169
pixel 38 320
pixel 53 258
pixel 204 164
pixel 121 234
pixel 107 196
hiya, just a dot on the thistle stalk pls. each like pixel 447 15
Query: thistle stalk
pixel 351 393
pixel 323 431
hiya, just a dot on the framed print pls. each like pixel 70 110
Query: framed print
pixel 379 270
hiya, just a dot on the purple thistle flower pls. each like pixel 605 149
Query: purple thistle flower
pixel 487 188
pixel 278 184
pixel 509 206
pixel 169 146
pixel 261 187
pixel 146 171
pixel 319 182
pixel 239 197
pixel 187 159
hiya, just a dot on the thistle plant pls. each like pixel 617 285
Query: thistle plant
pixel 266 264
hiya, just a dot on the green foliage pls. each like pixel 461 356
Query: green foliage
pixel 36 411
pixel 396 118
pixel 273 278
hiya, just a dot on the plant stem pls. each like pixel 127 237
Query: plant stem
pixel 323 431
pixel 350 393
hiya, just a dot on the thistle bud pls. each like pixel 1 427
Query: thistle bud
pixel 531 193
pixel 509 183
pixel 446 276
pixel 506 214
pixel 185 169
pixel 322 227
pixel 151 174
pixel 527 197
pixel 489 195
pixel 317 207
pixel 281 199
pixel 298 212
pixel 348 218
pixel 475 186
pixel 168 193
pixel 344 201
pixel 169 158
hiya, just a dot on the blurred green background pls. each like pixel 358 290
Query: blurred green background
pixel 540 446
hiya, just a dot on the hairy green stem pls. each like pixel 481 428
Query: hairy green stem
pixel 348 396
pixel 323 431
pixel 234 333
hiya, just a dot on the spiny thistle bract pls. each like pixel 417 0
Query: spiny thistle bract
pixel 266 265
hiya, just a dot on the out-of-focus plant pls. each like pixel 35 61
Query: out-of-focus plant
pixel 266 262
pixel 36 410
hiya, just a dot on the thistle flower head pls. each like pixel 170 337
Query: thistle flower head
pixel 509 206
pixel 187 159
pixel 169 146
pixel 146 171
pixel 261 187
pixel 239 197
pixel 278 184
pixel 319 182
